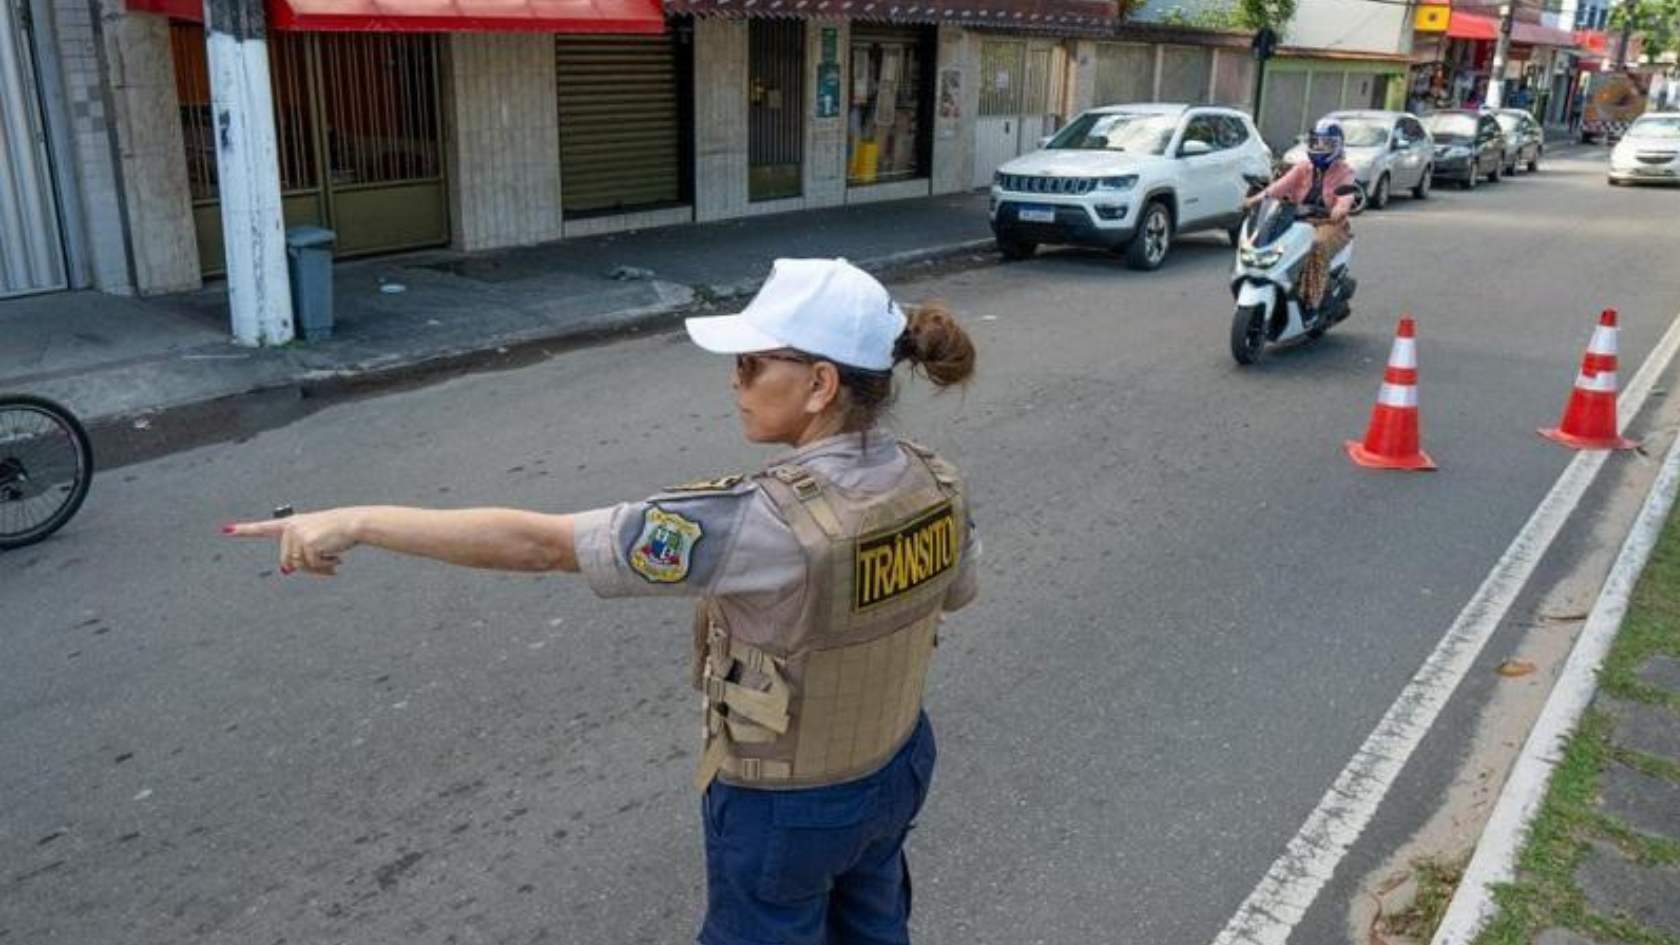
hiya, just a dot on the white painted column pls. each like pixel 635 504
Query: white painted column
pixel 248 167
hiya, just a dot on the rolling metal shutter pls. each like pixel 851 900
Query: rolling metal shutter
pixel 620 126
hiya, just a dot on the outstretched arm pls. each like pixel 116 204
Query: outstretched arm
pixel 500 539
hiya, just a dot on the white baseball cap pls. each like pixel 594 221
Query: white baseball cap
pixel 826 307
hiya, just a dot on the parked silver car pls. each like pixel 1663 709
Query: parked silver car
pixel 1389 152
pixel 1525 141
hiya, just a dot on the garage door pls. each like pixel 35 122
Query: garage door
pixel 620 123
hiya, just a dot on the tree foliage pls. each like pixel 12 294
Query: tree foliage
pixel 1248 15
pixel 1656 20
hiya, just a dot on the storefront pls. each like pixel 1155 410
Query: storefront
pixel 1454 66
pixel 358 95
pixel 889 115
pixel 359 135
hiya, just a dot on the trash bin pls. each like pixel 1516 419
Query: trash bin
pixel 309 256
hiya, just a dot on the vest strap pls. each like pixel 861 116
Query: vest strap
pixel 809 491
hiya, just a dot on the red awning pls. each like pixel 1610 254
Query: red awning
pixel 1475 26
pixel 1471 26
pixel 444 16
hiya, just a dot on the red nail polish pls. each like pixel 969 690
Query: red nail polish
pixel 227 529
pixel 287 569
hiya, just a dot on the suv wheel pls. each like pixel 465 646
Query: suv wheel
pixel 1498 173
pixel 1534 162
pixel 1017 249
pixel 1421 191
pixel 1148 249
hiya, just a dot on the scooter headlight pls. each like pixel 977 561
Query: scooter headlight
pixel 1262 258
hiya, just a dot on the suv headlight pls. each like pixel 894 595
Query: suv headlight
pixel 997 178
pixel 1126 182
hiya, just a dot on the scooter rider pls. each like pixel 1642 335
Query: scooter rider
pixel 1315 184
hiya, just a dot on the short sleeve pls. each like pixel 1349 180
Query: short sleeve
pixel 675 544
pixel 967 583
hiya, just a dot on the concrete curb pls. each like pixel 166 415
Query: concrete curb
pixel 125 432
pixel 1495 858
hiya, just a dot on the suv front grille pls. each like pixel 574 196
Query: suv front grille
pixel 1024 184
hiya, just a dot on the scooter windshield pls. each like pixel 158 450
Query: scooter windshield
pixel 1273 219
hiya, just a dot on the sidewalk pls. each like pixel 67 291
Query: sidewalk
pixel 111 357
pixel 1601 864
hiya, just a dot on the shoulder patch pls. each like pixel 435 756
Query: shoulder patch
pixel 720 484
pixel 664 550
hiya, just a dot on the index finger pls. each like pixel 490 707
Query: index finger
pixel 269 529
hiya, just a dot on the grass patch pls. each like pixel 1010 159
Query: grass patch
pixel 1544 894
pixel 1437 880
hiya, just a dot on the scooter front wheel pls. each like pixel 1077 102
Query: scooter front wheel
pixel 1248 334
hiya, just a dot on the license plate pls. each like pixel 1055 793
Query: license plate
pixel 1037 215
pixel 1654 171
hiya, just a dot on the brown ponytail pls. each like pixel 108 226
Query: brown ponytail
pixel 932 344
pixel 936 345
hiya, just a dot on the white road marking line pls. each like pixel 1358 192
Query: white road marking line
pixel 1496 854
pixel 1280 901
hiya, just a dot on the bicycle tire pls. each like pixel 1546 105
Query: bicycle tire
pixel 61 416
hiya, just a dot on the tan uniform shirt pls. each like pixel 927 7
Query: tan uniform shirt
pixel 744 551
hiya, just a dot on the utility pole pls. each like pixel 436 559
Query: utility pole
pixel 1265 43
pixel 1501 49
pixel 248 169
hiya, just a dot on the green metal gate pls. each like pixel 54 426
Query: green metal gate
pixel 363 107
pixel 775 108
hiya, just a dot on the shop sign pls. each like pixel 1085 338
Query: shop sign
pixel 1433 18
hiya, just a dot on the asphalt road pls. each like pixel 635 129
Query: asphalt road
pixel 1194 610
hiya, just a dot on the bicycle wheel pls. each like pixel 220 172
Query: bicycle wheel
pixel 46 466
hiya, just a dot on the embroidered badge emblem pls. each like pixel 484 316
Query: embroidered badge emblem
pixel 665 548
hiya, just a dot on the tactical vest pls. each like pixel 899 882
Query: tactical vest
pixel 834 695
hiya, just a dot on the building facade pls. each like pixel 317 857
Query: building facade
pixel 405 134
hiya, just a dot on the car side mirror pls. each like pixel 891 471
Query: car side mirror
pixel 1195 149
pixel 1044 142
pixel 1398 144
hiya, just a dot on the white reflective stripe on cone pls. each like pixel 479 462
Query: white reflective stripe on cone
pixel 1404 354
pixel 1397 395
pixel 1603 341
pixel 1603 382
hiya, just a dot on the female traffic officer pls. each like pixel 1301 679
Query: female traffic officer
pixel 1315 183
pixel 821 581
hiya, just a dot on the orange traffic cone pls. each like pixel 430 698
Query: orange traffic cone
pixel 1589 419
pixel 1391 441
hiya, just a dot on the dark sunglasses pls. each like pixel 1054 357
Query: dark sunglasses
pixel 747 366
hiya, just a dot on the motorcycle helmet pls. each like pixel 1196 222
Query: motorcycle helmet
pixel 1324 145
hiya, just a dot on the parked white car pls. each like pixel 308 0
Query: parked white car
pixel 1649 151
pixel 1130 177
pixel 1388 151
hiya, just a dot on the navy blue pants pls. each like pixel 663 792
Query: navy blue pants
pixel 818 866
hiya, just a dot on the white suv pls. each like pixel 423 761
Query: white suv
pixel 1130 176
